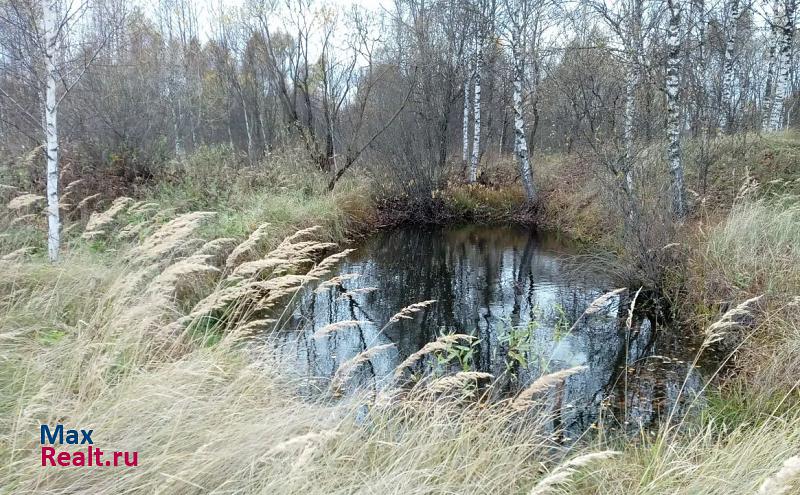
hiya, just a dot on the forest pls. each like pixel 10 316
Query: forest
pixel 407 246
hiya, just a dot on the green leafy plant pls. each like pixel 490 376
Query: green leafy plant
pixel 519 340
pixel 461 353
pixel 51 336
pixel 562 322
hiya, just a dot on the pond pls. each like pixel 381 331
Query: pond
pixel 522 294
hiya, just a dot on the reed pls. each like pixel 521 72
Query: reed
pixel 562 474
pixel 409 311
pixel 336 326
pixel 25 202
pixel 781 482
pixel 442 343
pixel 101 221
pixel 458 382
pixel 104 340
pixel 345 371
pixel 542 384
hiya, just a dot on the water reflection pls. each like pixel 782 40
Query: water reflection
pixel 511 289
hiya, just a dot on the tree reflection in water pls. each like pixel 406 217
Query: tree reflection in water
pixel 513 290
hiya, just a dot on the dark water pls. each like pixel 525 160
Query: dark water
pixel 519 294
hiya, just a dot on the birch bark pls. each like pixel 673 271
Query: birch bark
pixel 782 84
pixel 631 80
pixel 476 133
pixel 520 144
pixel 726 117
pixel 465 122
pixel 50 21
pixel 634 60
pixel 673 127
pixel 772 59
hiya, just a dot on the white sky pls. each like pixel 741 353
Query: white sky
pixel 208 9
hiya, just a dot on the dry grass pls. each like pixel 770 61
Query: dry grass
pixel 108 340
pixel 84 347
pixel 523 400
pixel 101 221
pixel 781 482
pixel 224 419
pixel 440 344
pixel 757 247
pixel 26 202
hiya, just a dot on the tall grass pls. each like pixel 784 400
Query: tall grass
pixel 284 189
pixel 757 247
pixel 85 347
pixel 80 347
pixel 224 420
pixel 93 343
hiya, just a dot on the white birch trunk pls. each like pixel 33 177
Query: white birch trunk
pixel 476 136
pixel 176 118
pixel 520 144
pixel 631 80
pixel 634 48
pixel 772 57
pixel 50 22
pixel 782 84
pixel 248 130
pixel 672 84
pixel 465 124
pixel 263 131
pixel 503 129
pixel 726 117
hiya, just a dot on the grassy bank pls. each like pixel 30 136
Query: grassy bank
pixel 221 419
pixel 283 190
pixel 101 341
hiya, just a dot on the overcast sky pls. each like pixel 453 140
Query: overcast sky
pixel 208 9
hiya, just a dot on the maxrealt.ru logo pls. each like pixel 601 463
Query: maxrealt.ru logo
pixel 91 456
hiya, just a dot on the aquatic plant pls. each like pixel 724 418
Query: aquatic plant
pixel 441 344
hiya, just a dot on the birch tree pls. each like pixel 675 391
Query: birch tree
pixel 633 67
pixel 673 127
pixel 726 116
pixel 468 74
pixel 51 21
pixel 627 23
pixel 476 108
pixel 518 15
pixel 786 37
pixel 772 58
pixel 56 23
pixel 465 121
pixel 520 144
pixel 287 73
pixel 43 47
